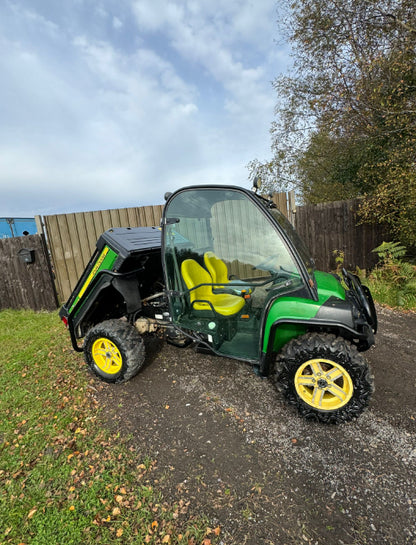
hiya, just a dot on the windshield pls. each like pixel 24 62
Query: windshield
pixel 295 239
pixel 230 225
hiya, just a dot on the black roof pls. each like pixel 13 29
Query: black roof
pixel 127 241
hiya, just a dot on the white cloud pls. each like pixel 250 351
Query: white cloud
pixel 234 26
pixel 117 23
pixel 157 15
pixel 106 110
pixel 34 18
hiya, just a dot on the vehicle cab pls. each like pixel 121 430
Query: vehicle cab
pixel 228 255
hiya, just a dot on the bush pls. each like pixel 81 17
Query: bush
pixel 393 281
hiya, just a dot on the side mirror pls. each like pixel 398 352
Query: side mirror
pixel 256 184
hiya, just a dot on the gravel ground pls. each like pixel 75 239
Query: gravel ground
pixel 227 442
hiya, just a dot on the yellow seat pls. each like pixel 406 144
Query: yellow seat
pixel 216 268
pixel 201 297
pixel 219 273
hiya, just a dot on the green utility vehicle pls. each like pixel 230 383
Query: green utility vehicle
pixel 227 273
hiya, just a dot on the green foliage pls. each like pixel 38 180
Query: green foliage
pixel 390 252
pixel 394 205
pixel 393 281
pixel 64 479
pixel 339 256
pixel 346 113
pixel 327 170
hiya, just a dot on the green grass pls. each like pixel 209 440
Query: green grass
pixel 65 479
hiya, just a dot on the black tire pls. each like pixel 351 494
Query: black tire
pixel 325 377
pixel 114 351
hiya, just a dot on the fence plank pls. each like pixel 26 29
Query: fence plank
pixel 328 227
pixel 74 233
pixel 90 231
pixel 115 218
pixel 72 238
pixel 67 245
pixel 84 239
pixel 106 218
pixel 291 206
pixel 26 285
pixel 124 217
pixel 57 252
pixel 132 217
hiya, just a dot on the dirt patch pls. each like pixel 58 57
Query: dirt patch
pixel 226 441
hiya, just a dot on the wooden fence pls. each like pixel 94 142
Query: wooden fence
pixel 324 227
pixel 328 227
pixel 285 202
pixel 26 284
pixel 72 238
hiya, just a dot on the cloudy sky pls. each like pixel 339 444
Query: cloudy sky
pixel 110 103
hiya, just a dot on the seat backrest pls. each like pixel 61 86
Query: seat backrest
pixel 194 274
pixel 217 268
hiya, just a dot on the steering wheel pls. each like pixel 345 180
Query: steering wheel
pixel 268 264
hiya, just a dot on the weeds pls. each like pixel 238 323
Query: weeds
pixel 393 280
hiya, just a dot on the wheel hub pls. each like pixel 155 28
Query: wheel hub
pixel 107 356
pixel 324 384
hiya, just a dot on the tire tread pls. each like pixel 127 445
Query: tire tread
pixel 129 342
pixel 327 346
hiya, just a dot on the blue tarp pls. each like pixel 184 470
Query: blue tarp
pixel 17 227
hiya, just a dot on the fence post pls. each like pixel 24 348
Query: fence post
pixel 39 225
pixel 292 206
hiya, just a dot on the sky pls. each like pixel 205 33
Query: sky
pixel 111 103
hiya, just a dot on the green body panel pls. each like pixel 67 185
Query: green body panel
pixel 286 333
pixel 329 285
pixel 105 261
pixel 294 308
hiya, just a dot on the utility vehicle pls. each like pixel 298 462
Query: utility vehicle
pixel 227 272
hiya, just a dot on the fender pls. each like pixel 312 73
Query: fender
pixel 289 318
pixel 294 328
pixel 125 284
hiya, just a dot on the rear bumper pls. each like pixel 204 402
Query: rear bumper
pixel 66 318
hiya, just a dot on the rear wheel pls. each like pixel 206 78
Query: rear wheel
pixel 114 351
pixel 325 377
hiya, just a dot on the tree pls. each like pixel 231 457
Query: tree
pixel 346 115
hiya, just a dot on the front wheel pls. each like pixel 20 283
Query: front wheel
pixel 325 377
pixel 114 351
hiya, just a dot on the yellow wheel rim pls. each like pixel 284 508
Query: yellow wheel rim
pixel 323 384
pixel 106 356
